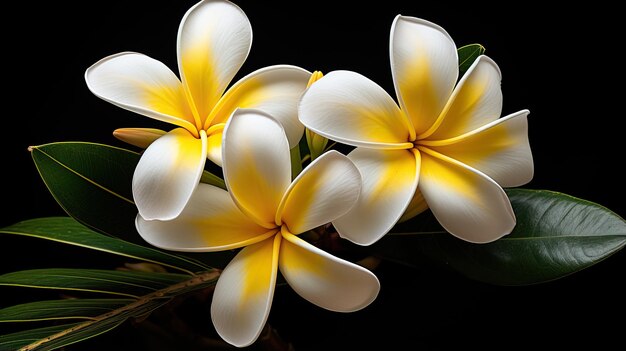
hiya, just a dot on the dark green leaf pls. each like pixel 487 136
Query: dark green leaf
pixel 53 338
pixel 11 342
pixel 23 340
pixel 92 182
pixel 61 309
pixel 556 235
pixel 467 55
pixel 125 283
pixel 68 231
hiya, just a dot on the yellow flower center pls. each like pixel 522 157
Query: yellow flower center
pixel 216 128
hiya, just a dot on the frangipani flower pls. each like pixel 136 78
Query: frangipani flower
pixel 264 211
pixel 445 146
pixel 214 39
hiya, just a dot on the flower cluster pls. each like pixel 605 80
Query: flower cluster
pixel 441 146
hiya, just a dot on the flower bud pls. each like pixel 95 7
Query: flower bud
pixel 140 137
pixel 316 142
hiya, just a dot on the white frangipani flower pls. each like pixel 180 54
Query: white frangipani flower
pixel 264 212
pixel 444 146
pixel 214 39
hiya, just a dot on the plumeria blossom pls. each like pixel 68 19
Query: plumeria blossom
pixel 214 40
pixel 443 147
pixel 264 211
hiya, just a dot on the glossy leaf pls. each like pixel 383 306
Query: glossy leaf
pixel 61 309
pixel 467 55
pixel 92 182
pixel 124 283
pixel 556 235
pixel 69 231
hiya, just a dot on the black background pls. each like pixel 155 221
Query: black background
pixel 562 64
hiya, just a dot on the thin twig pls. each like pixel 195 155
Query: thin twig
pixel 167 292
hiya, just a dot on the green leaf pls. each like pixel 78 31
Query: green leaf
pixel 68 231
pixel 16 340
pixel 556 235
pixel 92 182
pixel 467 55
pixel 61 309
pixel 124 283
pixel 56 337
pixel 21 341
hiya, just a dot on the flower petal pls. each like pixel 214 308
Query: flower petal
pixel 275 90
pixel 424 64
pixel 210 222
pixel 256 163
pixel 389 182
pixel 467 203
pixel 500 150
pixel 168 173
pixel 243 294
pixel 143 85
pixel 214 39
pixel 328 188
pixel 349 108
pixel 323 279
pixel 476 101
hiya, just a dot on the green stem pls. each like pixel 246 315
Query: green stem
pixel 296 162
pixel 165 293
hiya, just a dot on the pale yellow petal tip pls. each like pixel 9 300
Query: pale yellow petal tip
pixel 315 76
pixel 140 137
pixel 31 148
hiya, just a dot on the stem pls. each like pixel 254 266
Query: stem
pixel 165 293
pixel 296 162
pixel 270 340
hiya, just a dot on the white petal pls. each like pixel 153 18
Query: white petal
pixel 467 203
pixel 243 294
pixel 476 101
pixel 389 182
pixel 424 64
pixel 275 90
pixel 325 280
pixel 349 108
pixel 210 222
pixel 141 84
pixel 256 163
pixel 328 188
pixel 500 150
pixel 214 39
pixel 168 173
